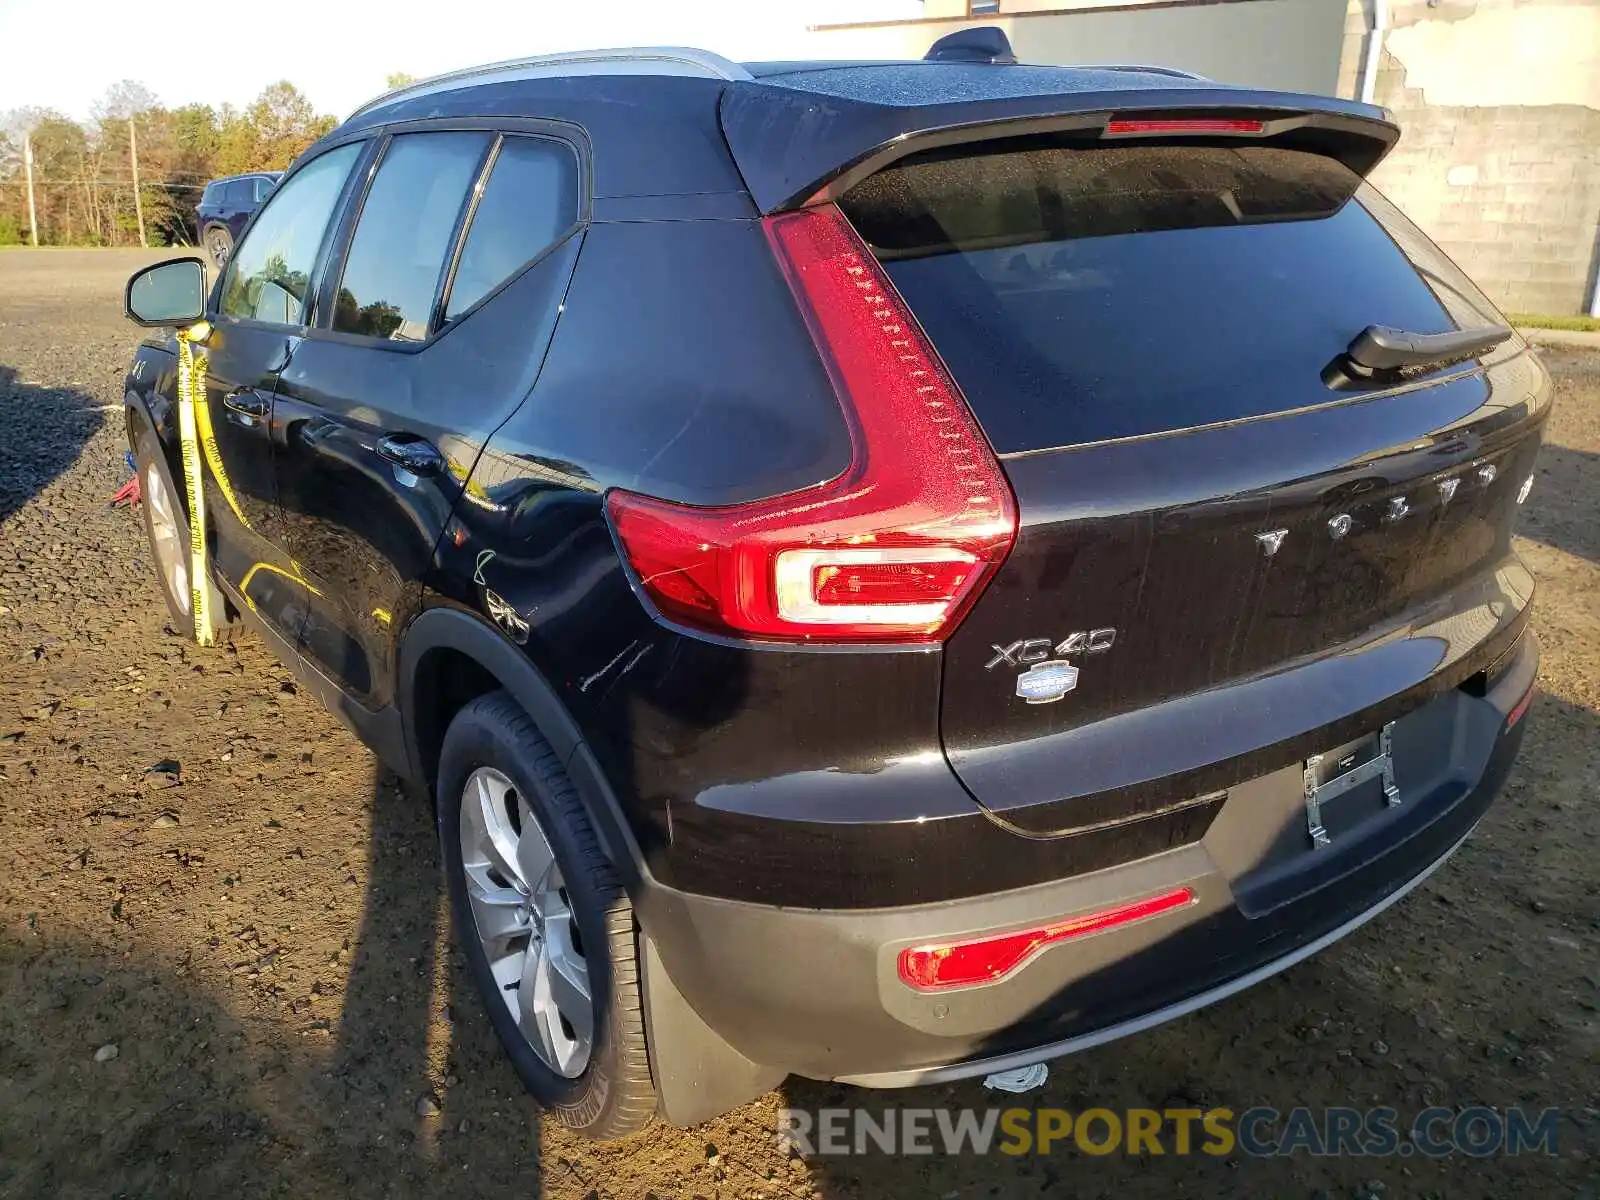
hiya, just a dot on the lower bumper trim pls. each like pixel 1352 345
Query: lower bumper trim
pixel 1022 1058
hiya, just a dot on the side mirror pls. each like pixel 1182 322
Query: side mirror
pixel 168 293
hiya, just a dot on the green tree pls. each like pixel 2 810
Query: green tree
pixel 279 125
pixel 398 79
pixel 63 183
pixel 83 176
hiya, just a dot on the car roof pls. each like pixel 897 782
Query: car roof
pixel 880 80
pixel 663 120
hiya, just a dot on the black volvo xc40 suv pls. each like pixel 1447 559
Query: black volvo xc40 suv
pixel 888 572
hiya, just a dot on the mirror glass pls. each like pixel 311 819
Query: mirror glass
pixel 169 293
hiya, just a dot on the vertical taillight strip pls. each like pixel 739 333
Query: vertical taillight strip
pixel 897 547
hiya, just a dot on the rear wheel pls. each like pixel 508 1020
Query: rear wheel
pixel 219 244
pixel 547 929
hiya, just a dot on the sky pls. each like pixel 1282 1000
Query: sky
pixel 64 54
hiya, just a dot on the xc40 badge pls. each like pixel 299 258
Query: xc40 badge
pixel 1049 676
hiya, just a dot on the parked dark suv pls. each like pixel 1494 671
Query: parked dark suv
pixel 889 572
pixel 225 207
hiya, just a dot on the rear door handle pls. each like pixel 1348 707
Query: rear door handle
pixel 247 402
pixel 246 407
pixel 411 453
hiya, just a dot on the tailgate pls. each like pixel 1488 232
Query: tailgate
pixel 1230 536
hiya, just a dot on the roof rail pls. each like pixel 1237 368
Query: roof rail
pixel 639 60
pixel 1176 72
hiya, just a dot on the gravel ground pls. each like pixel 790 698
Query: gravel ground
pixel 225 967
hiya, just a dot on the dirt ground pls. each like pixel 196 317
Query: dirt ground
pixel 201 869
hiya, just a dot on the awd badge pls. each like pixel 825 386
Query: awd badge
pixel 1047 682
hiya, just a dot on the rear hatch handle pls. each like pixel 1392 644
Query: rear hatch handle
pixel 1381 348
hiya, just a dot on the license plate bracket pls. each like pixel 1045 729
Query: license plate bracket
pixel 1330 775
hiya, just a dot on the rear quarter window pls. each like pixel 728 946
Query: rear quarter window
pixel 530 200
pixel 1081 293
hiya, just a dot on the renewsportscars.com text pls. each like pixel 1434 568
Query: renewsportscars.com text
pixel 1259 1132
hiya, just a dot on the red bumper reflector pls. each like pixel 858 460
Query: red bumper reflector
pixel 1521 709
pixel 989 959
pixel 1187 125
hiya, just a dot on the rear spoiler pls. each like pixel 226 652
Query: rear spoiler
pixel 796 146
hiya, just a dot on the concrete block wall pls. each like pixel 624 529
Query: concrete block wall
pixel 1499 156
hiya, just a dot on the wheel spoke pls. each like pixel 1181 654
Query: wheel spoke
pixel 535 859
pixel 541 1020
pixel 490 839
pixel 156 493
pixel 500 912
pixel 533 1008
pixel 569 979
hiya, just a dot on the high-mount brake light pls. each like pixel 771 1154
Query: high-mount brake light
pixel 1179 125
pixel 989 959
pixel 896 548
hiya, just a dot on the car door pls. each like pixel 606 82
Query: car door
pixel 257 315
pixel 385 406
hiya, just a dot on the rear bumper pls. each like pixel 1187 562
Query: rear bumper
pixel 817 993
pixel 972 1068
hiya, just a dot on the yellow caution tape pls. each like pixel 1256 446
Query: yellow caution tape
pixel 192 367
pixel 198 442
pixel 255 568
pixel 208 443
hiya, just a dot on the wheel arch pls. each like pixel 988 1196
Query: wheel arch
pixel 447 658
pixel 136 412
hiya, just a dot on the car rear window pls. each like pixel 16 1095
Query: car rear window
pixel 403 235
pixel 1081 293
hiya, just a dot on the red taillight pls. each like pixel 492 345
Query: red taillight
pixel 894 549
pixel 989 959
pixel 1161 125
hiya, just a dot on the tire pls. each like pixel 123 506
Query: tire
pixel 166 530
pixel 218 243
pixel 493 743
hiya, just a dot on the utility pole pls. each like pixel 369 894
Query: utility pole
pixel 27 162
pixel 138 202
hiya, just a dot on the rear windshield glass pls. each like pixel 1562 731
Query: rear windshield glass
pixel 1085 293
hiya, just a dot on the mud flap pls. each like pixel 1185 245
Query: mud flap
pixel 697 1075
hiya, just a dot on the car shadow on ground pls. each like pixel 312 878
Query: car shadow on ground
pixel 1561 502
pixel 403 1091
pixel 42 432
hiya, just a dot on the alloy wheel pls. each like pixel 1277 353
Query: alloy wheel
pixel 167 542
pixel 523 920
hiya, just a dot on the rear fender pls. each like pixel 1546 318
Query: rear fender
pixel 443 628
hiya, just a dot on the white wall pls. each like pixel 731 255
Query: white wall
pixel 1289 44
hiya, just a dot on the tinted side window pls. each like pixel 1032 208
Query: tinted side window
pixel 212 195
pixel 262 188
pixel 270 270
pixel 241 192
pixel 531 199
pixel 404 233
